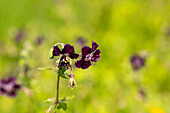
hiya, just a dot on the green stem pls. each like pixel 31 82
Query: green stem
pixel 57 93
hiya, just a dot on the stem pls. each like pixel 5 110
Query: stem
pixel 57 93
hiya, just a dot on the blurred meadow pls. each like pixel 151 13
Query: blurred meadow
pixel 122 28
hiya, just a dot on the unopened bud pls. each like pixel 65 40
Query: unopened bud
pixel 72 82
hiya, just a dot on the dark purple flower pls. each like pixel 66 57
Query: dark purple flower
pixel 137 62
pixel 63 61
pixel 89 55
pixel 9 87
pixel 81 41
pixel 142 93
pixel 68 50
pixel 39 40
pixel 20 34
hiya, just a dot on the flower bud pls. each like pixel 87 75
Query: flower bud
pixel 72 82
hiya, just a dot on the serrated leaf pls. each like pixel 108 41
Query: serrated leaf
pixel 62 105
pixel 46 68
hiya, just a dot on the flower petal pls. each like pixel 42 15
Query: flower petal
pixel 12 94
pixel 3 81
pixel 86 64
pixel 11 80
pixel 96 59
pixel 56 51
pixel 137 62
pixel 94 46
pixel 97 52
pixel 74 56
pixel 79 63
pixel 86 50
pixel 2 91
pixel 96 55
pixel 68 49
pixel 17 86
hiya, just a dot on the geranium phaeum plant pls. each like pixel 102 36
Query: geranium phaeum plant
pixel 9 87
pixel 64 55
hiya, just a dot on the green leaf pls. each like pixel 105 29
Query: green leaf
pixel 68 98
pixel 46 68
pixel 62 105
pixel 61 72
pixel 49 100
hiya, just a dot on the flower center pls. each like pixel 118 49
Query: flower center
pixel 8 87
pixel 89 57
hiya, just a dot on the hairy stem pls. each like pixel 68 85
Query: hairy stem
pixel 57 92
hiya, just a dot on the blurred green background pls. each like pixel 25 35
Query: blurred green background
pixel 120 27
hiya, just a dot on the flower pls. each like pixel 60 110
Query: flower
pixel 72 82
pixel 9 87
pixel 157 110
pixel 81 41
pixel 68 50
pixel 142 92
pixel 39 40
pixel 19 35
pixel 137 62
pixel 89 55
pixel 48 111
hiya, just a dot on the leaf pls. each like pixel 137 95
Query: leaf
pixel 46 68
pixel 49 100
pixel 68 98
pixel 62 105
pixel 61 72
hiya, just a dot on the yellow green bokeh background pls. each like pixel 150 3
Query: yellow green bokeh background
pixel 120 27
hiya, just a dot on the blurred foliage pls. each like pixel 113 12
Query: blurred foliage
pixel 120 27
